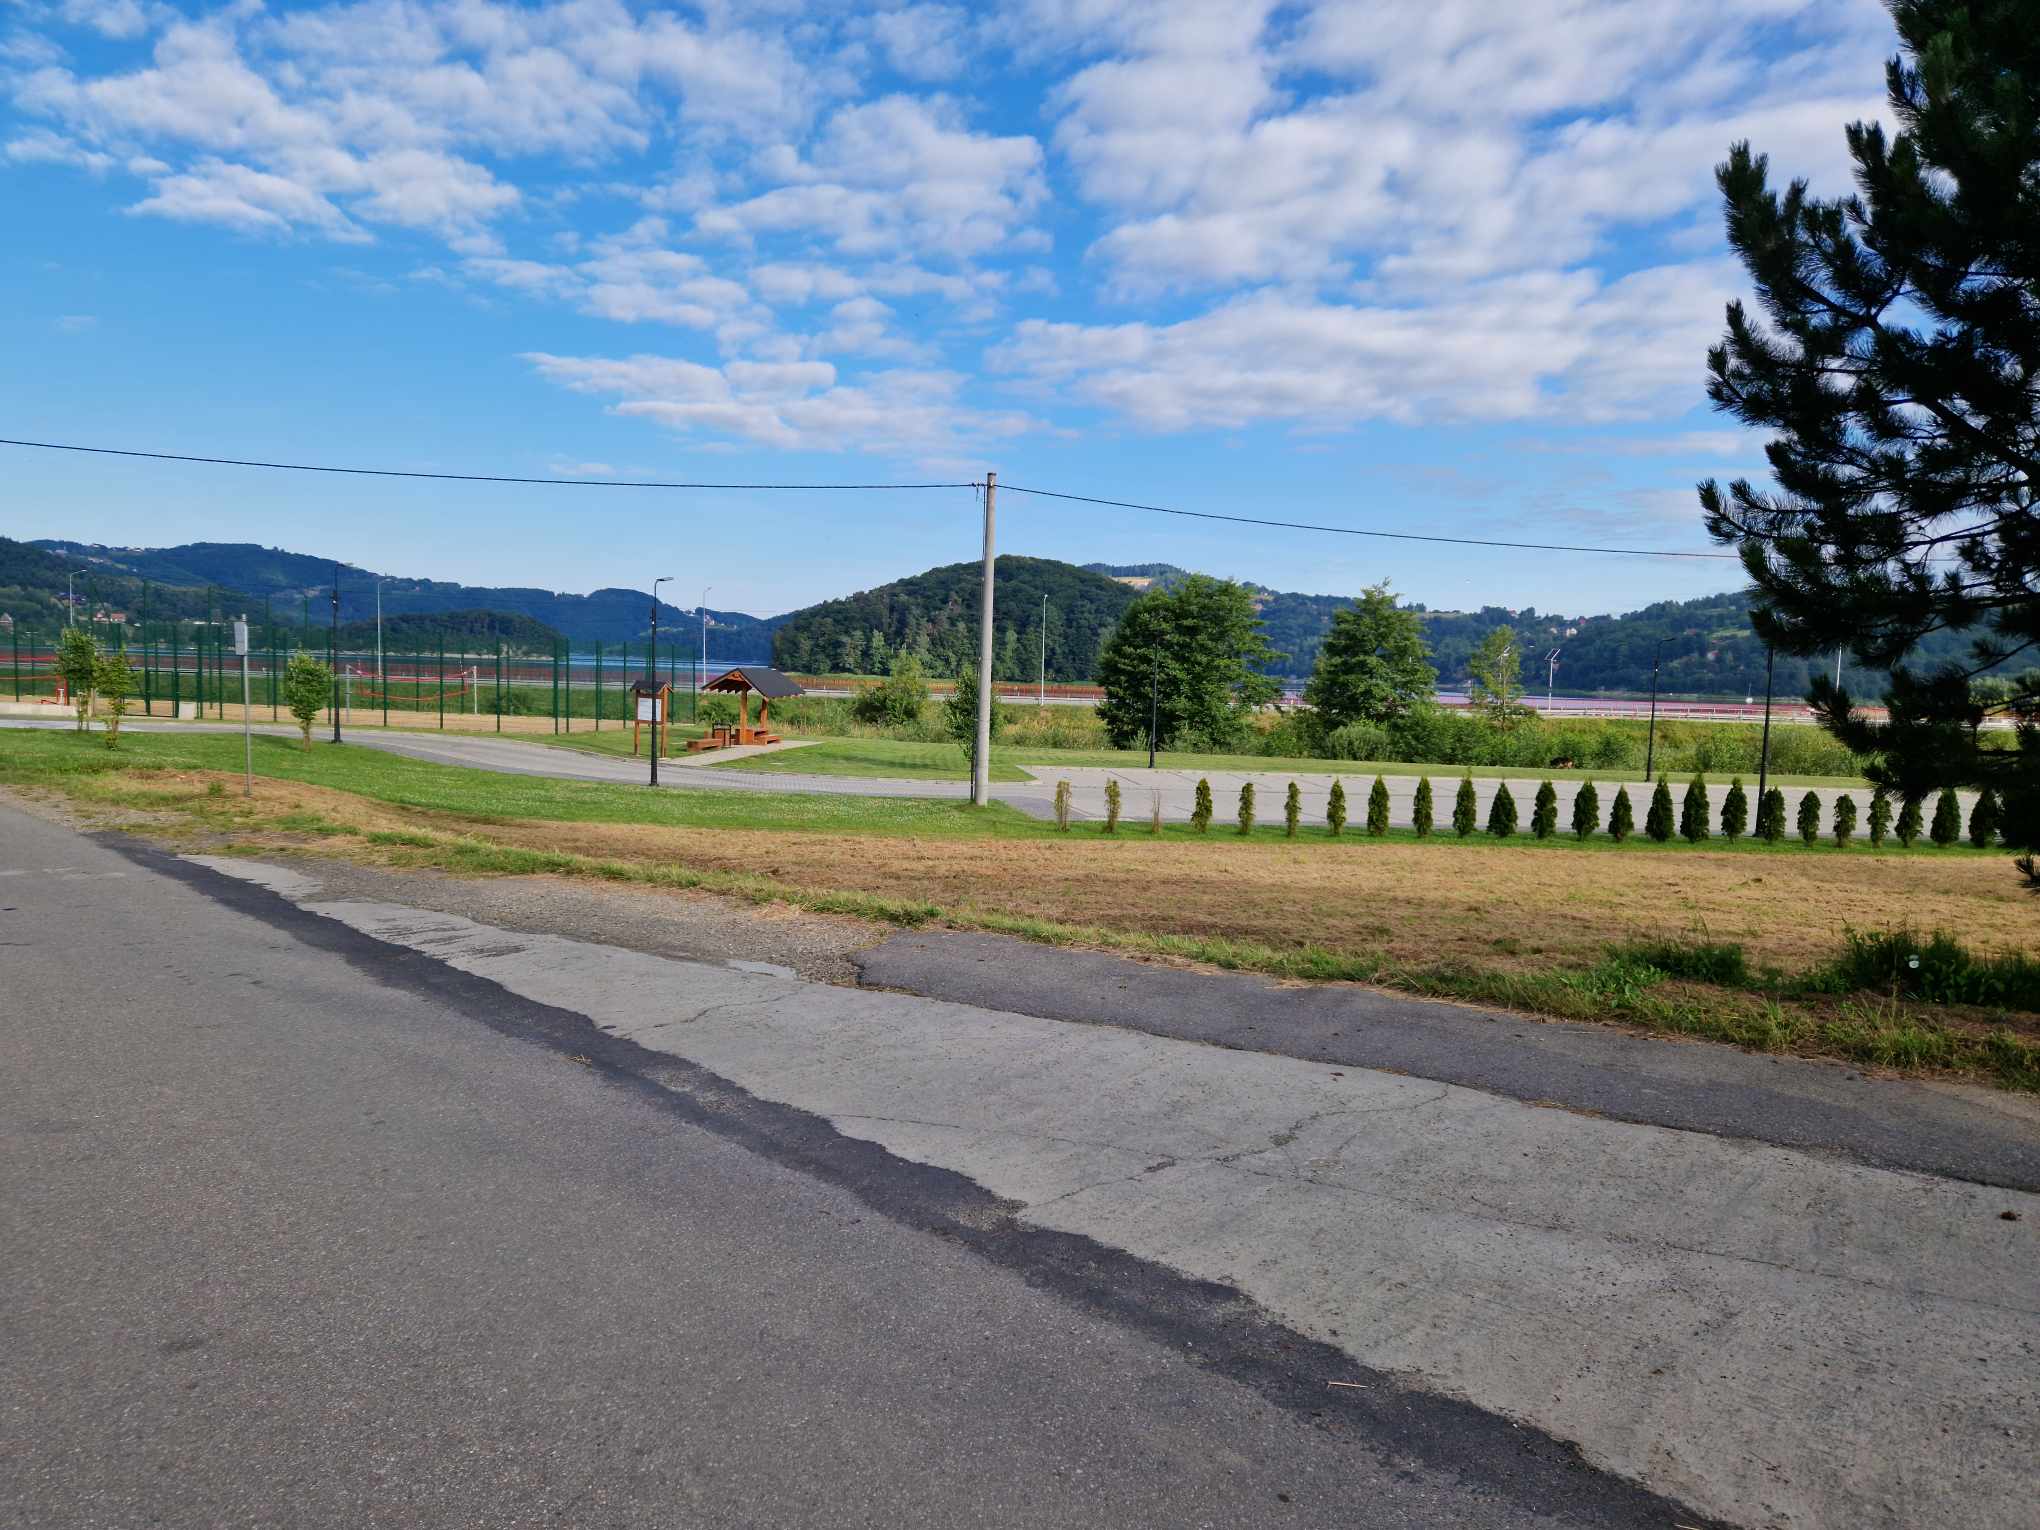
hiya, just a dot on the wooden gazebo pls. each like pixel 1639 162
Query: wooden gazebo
pixel 770 686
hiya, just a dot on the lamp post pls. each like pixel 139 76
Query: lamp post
pixel 701 658
pixel 380 678
pixel 1550 677
pixel 333 652
pixel 653 676
pixel 1650 750
pixel 1041 698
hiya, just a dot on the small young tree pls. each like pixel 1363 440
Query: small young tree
pixel 1586 810
pixel 1062 805
pixel 1200 815
pixel 1465 808
pixel 1420 808
pixel 1735 811
pixel 1377 808
pixel 1292 810
pixel 114 679
pixel 1247 808
pixel 1947 826
pixel 1771 817
pixel 959 712
pixel 1335 809
pixel 307 690
pixel 1809 818
pixel 1501 817
pixel 1544 813
pixel 1845 818
pixel 1657 823
pixel 1880 817
pixel 1111 805
pixel 78 668
pixel 1693 812
pixel 1909 822
pixel 1621 816
pixel 1983 818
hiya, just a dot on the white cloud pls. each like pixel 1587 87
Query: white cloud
pixel 244 198
pixel 795 406
pixel 922 42
pixel 42 147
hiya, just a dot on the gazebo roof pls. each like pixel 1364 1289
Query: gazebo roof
pixel 767 682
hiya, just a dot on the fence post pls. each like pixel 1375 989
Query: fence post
pixel 442 685
pixel 15 633
pixel 598 686
pixel 499 685
pixel 556 685
pixel 176 674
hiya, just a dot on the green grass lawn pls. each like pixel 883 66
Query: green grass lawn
pixel 876 757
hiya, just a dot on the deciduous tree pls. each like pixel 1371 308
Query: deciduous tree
pixel 1188 656
pixel 1374 665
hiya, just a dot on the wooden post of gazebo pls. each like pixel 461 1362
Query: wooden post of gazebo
pixel 770 686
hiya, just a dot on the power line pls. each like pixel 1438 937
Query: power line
pixel 1354 531
pixel 553 483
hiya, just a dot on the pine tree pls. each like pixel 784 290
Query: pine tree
pixel 1200 815
pixel 1292 810
pixel 1893 373
pixel 1586 810
pixel 1809 818
pixel 1335 809
pixel 1465 808
pixel 1845 818
pixel 1983 818
pixel 1544 813
pixel 1377 808
pixel 1771 817
pixel 1420 808
pixel 1947 825
pixel 1693 811
pixel 1111 804
pixel 1657 823
pixel 1909 822
pixel 1501 816
pixel 1621 816
pixel 1880 817
pixel 1247 808
pixel 1735 811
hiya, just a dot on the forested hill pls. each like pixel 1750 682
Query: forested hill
pixel 934 615
pixel 459 631
pixel 296 582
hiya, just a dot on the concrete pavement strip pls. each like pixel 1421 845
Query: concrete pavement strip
pixel 1772 1336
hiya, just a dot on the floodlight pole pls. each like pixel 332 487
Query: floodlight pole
pixel 1764 753
pixel 1650 750
pixel 333 652
pixel 654 675
pixel 981 765
pixel 1550 678
pixel 700 659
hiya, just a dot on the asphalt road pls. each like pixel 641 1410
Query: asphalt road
pixel 303 1227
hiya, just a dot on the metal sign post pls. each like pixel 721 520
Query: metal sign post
pixel 247 736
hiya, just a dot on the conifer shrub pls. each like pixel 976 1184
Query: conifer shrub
pixel 1377 808
pixel 1420 808
pixel 1693 811
pixel 1809 818
pixel 1247 808
pixel 1544 812
pixel 1880 817
pixel 1657 823
pixel 1586 810
pixel 1908 822
pixel 1735 811
pixel 1947 825
pixel 1983 818
pixel 1335 809
pixel 1200 815
pixel 1292 810
pixel 1845 819
pixel 1771 817
pixel 1501 817
pixel 1465 808
pixel 1111 805
pixel 1621 816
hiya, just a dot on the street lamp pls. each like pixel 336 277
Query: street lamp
pixel 701 658
pixel 1551 677
pixel 333 652
pixel 1650 751
pixel 654 675
pixel 380 678
pixel 1041 698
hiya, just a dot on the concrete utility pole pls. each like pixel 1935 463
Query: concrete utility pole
pixel 700 659
pixel 981 764
pixel 380 678
pixel 1650 750
pixel 333 652
pixel 658 706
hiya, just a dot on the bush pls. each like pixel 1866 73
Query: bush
pixel 1200 815
pixel 1909 822
pixel 1335 809
pixel 1544 814
pixel 1735 811
pixel 114 679
pixel 1501 817
pixel 715 710
pixel 77 664
pixel 1292 810
pixel 307 688
pixel 1809 818
pixel 1360 741
pixel 1880 816
pixel 899 698
pixel 1111 804
pixel 1657 823
pixel 1693 811
pixel 1621 816
pixel 1062 805
pixel 1845 818
pixel 1247 808
pixel 1703 962
pixel 1983 818
pixel 1377 808
pixel 1947 826
pixel 1771 816
pixel 1936 968
pixel 1586 810
pixel 1420 808
pixel 1465 808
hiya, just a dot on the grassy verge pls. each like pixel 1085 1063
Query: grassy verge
pixel 1553 929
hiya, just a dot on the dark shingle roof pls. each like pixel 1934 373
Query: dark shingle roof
pixel 769 683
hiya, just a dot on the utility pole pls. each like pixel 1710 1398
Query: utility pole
pixel 333 652
pixel 658 705
pixel 1550 677
pixel 247 733
pixel 981 763
pixel 1764 754
pixel 700 659
pixel 1650 753
pixel 1041 699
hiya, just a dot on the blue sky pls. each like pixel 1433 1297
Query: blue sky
pixel 1450 267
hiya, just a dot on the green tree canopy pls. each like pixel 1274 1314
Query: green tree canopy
pixel 1897 367
pixel 1495 671
pixel 1191 651
pixel 1374 665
